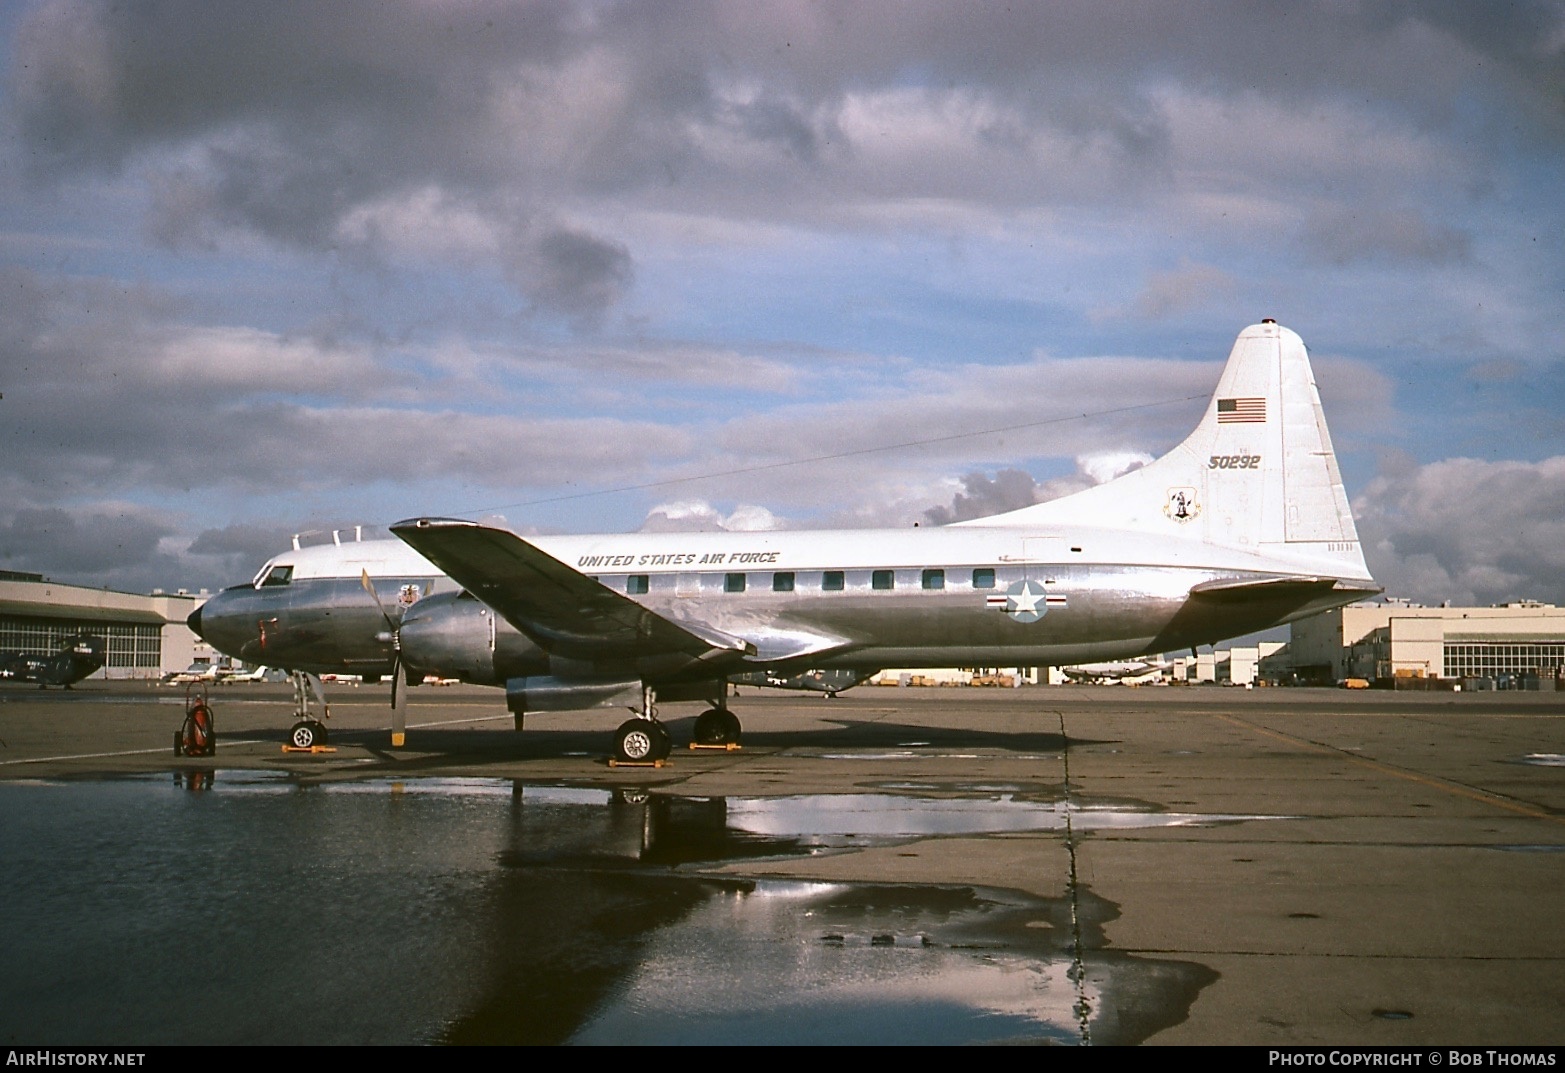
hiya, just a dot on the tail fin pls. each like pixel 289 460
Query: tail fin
pixel 1257 474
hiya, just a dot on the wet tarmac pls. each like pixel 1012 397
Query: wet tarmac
pixel 1058 866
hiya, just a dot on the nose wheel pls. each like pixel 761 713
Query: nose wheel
pixel 641 741
pixel 306 734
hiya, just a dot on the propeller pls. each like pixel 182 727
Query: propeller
pixel 399 693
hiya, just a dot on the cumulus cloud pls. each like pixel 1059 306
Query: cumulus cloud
pixel 1189 286
pixel 304 128
pixel 1467 530
pixel 1105 467
pixel 574 273
pixel 1011 489
pixel 383 253
pixel 699 516
pixel 236 550
pixel 82 545
pixel 981 496
pixel 1343 235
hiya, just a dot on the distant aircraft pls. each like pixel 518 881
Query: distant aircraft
pixel 1124 670
pixel 78 659
pixel 1243 526
pixel 199 671
pixel 811 681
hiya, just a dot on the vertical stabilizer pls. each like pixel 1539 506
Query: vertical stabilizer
pixel 1257 474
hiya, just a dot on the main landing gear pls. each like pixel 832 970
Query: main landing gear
pixel 308 731
pixel 716 727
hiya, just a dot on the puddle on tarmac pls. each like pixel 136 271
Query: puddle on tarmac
pixel 854 819
pixel 782 962
pixel 481 911
pixel 1544 759
pixel 911 754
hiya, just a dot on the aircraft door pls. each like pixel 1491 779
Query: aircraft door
pixel 1041 557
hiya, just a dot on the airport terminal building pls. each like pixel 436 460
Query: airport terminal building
pixel 1518 645
pixel 146 635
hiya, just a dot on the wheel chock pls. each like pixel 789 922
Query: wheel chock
pixel 636 763
pixel 725 747
pixel 310 749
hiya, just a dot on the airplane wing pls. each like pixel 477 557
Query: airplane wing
pixel 563 610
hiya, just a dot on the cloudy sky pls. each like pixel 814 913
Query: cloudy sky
pixel 596 266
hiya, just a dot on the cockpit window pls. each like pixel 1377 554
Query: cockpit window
pixel 278 575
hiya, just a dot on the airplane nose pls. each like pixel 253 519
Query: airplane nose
pixel 194 622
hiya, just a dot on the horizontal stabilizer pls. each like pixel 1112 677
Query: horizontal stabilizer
pixel 1241 587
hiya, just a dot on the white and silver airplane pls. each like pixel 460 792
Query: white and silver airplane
pixel 1242 527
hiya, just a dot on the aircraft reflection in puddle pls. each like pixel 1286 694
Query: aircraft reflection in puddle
pixel 868 816
pixel 789 962
pixel 670 829
pixel 525 914
pixel 770 961
pixel 776 961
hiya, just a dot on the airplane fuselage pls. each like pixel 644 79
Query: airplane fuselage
pixel 853 599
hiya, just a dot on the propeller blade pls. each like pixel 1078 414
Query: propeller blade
pixel 399 705
pixel 399 692
pixel 369 587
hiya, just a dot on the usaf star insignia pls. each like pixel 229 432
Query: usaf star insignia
pixel 1026 601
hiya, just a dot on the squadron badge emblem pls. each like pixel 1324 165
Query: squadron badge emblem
pixel 1181 504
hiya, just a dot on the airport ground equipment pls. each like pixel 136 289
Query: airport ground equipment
pixel 198 735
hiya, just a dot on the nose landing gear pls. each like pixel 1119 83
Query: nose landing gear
pixel 308 733
pixel 642 741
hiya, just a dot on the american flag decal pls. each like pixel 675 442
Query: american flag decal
pixel 1241 411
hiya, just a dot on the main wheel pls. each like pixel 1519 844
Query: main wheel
pixel 711 728
pixel 637 741
pixel 306 734
pixel 731 727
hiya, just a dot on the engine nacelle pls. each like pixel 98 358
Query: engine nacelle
pixel 546 693
pixel 454 635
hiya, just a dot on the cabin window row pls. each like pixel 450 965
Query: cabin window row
pixel 830 580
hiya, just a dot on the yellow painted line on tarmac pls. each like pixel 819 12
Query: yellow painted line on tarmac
pixel 1454 788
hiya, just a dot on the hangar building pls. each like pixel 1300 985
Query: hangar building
pixel 147 636
pixel 1512 645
